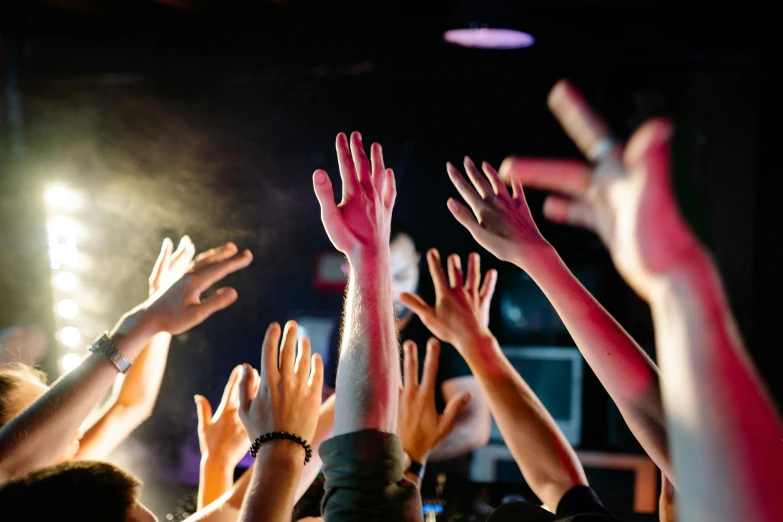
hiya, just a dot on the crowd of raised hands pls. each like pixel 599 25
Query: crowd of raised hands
pixel 704 418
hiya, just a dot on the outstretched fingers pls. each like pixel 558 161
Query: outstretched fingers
pixel 568 177
pixel 585 127
pixel 361 163
pixel 350 180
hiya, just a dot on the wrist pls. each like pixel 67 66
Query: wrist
pixel 281 453
pixel 132 333
pixel 216 460
pixel 535 258
pixel 363 259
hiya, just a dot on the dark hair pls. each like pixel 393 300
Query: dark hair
pixel 11 374
pixel 87 491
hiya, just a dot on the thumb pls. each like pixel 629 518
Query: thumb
pixel 453 408
pixel 203 411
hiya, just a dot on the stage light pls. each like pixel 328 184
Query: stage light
pixel 70 361
pixel 490 24
pixel 70 336
pixel 67 308
pixel 489 38
pixel 62 241
pixel 62 197
pixel 65 281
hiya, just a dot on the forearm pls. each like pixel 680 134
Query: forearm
pixel 368 376
pixel 273 484
pixel 215 478
pixel 323 431
pixel 37 437
pixel 725 432
pixel 545 458
pixel 624 369
pixel 134 403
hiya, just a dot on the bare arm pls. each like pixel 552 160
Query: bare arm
pixel 38 436
pixel 549 464
pixel 473 426
pixel 547 461
pixel 629 376
pixel 134 402
pixel 726 433
pixel 285 398
pixel 359 227
pixel 504 226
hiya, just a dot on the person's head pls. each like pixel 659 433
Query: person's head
pixel 20 386
pixel 404 265
pixel 86 491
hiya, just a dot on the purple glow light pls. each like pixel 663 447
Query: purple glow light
pixel 489 38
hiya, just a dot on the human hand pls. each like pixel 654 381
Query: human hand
pixel 419 425
pixel 179 307
pixel 362 221
pixel 461 308
pixel 627 198
pixel 170 266
pixel 500 222
pixel 221 436
pixel 286 397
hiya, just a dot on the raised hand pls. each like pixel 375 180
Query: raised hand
pixel 626 197
pixel 287 395
pixel 170 266
pixel 221 436
pixel 363 219
pixel 180 307
pixel 420 427
pixel 500 222
pixel 462 303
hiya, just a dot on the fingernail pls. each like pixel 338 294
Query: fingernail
pixel 195 399
pixel 453 206
pixel 320 177
pixel 359 136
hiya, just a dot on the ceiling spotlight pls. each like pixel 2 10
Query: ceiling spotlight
pixel 490 24
pixel 65 281
pixel 489 38
pixel 70 361
pixel 70 336
pixel 67 308
pixel 62 197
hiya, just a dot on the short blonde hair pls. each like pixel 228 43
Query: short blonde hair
pixel 11 374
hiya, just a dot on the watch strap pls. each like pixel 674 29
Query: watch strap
pixel 106 347
pixel 417 468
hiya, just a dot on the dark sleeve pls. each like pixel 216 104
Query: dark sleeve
pixel 332 356
pixel 581 500
pixel 364 479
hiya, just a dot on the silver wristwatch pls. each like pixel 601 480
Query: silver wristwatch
pixel 104 346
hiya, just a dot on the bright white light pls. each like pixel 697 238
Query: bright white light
pixel 62 241
pixel 70 361
pixel 70 336
pixel 67 308
pixel 65 281
pixel 62 197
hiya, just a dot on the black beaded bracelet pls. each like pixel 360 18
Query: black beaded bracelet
pixel 281 435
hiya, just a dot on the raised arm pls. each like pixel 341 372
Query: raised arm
pixel 39 435
pixel 501 223
pixel 138 390
pixel 359 227
pixel 725 433
pixel 284 399
pixel 544 456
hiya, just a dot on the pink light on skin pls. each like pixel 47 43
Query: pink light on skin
pixel 489 38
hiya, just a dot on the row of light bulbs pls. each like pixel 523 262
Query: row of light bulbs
pixel 63 232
